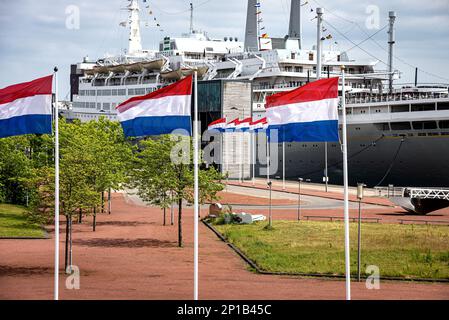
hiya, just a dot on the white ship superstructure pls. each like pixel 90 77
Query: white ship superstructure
pixel 98 87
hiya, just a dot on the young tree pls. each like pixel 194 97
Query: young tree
pixel 164 167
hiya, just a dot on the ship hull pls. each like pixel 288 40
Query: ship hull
pixel 409 158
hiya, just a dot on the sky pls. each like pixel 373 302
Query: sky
pixel 35 35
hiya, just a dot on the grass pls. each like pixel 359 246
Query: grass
pixel 407 251
pixel 14 223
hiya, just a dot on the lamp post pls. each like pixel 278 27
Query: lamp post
pixel 299 198
pixel 270 221
pixel 359 234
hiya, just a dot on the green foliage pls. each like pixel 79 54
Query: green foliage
pixel 157 175
pixel 94 157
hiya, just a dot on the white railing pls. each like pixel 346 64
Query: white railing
pixel 428 193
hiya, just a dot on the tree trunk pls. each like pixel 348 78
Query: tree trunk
pixel 164 216
pixel 180 222
pixel 95 219
pixel 70 244
pixel 66 260
pixel 109 201
pixel 102 201
pixel 80 217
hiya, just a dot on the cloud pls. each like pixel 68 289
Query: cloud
pixel 34 37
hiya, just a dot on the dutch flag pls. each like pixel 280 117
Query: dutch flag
pixel 232 126
pixel 159 112
pixel 25 108
pixel 244 125
pixel 218 125
pixel 259 125
pixel 308 113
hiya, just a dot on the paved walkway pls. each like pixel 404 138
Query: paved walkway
pixel 132 256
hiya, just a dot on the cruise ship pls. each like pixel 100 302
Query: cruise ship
pixel 397 135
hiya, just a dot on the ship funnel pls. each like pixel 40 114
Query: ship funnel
pixel 251 41
pixel 294 28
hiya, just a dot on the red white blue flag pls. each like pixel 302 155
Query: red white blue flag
pixel 160 112
pixel 308 113
pixel 218 125
pixel 25 108
pixel 244 125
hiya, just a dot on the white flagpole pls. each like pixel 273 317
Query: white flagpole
pixel 254 156
pixel 268 160
pixel 56 288
pixel 346 193
pixel 283 165
pixel 196 193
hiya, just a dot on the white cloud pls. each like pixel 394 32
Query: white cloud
pixel 33 37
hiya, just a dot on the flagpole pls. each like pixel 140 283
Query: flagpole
pixel 268 160
pixel 345 182
pixel 196 194
pixel 56 281
pixel 254 156
pixel 283 165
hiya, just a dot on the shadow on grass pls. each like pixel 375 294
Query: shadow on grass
pixel 126 243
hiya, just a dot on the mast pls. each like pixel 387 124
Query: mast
pixel 294 28
pixel 191 17
pixel 135 44
pixel 319 18
pixel 391 41
pixel 251 41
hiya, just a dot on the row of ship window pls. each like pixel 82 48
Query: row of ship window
pixel 116 92
pixel 94 116
pixel 415 125
pixel 106 106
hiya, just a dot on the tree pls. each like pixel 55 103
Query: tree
pixel 164 167
pixel 15 168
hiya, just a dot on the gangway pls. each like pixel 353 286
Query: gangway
pixel 416 200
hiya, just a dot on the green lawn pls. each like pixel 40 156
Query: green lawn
pixel 318 247
pixel 14 224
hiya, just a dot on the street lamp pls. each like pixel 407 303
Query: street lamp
pixel 270 222
pixel 359 234
pixel 299 198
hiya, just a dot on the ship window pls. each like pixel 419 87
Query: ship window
pixel 384 126
pixel 400 108
pixel 443 105
pixel 419 125
pixel 444 124
pixel 121 92
pixel 114 92
pixel 310 56
pixel 400 126
pixel 423 107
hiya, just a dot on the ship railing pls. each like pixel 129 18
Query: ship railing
pixel 390 191
pixel 411 192
pixel 429 193
pixel 404 96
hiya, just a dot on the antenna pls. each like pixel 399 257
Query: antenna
pixel 191 17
